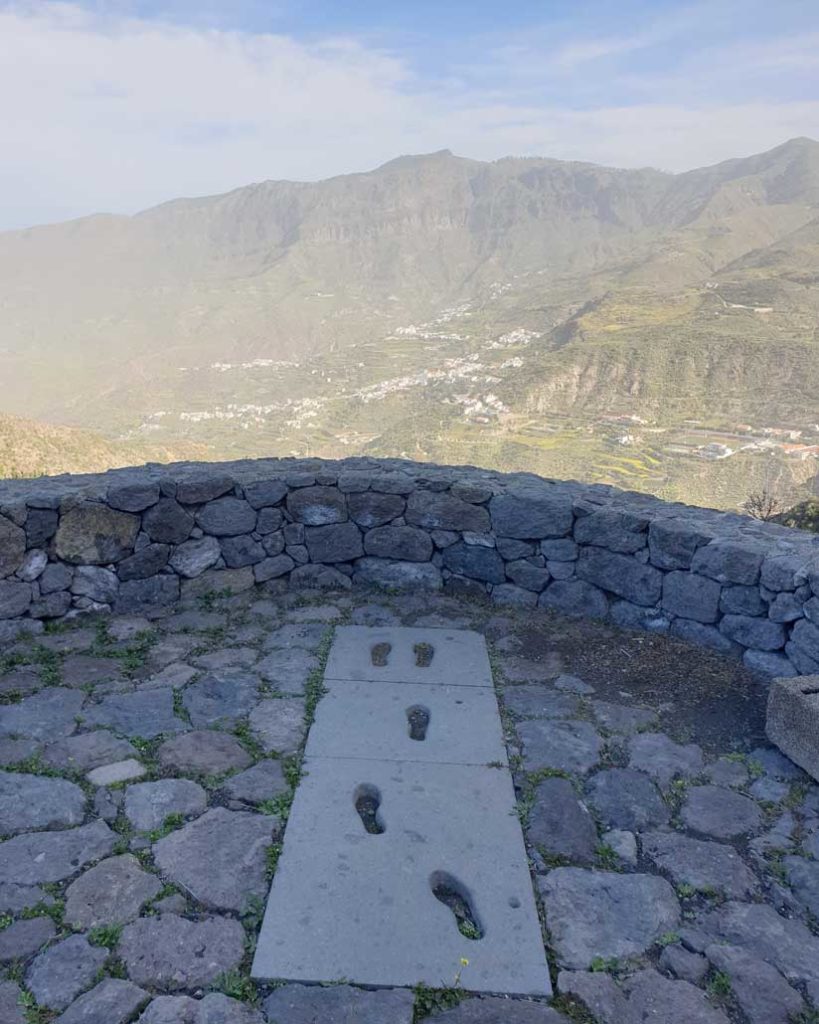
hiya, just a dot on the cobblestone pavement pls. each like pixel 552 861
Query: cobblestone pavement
pixel 147 768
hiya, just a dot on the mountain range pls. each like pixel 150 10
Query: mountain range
pixel 630 326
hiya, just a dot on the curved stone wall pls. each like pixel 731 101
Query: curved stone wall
pixel 133 539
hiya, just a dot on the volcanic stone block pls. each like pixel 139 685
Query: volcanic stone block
pixel 476 562
pixel 403 542
pixel 370 509
pixel 12 546
pixel 336 542
pixel 444 512
pixel 167 522
pixel 348 904
pixel 729 561
pixel 793 720
pixel 432 723
pixel 392 654
pixel 618 531
pixel 226 517
pixel 317 506
pixel 93 534
pixel 672 543
pixel 621 574
pixel 531 514
pixel 692 596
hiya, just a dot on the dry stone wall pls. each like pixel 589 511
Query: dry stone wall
pixel 137 539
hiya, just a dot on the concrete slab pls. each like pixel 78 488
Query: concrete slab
pixel 376 721
pixel 348 904
pixel 458 656
pixel 793 720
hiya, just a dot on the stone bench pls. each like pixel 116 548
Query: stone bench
pixel 793 720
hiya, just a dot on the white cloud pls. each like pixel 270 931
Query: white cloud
pixel 115 113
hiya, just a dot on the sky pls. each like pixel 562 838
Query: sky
pixel 116 105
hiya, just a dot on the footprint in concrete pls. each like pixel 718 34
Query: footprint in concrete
pixel 418 719
pixel 455 895
pixel 380 654
pixel 423 655
pixel 367 800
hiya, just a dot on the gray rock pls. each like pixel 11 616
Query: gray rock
pixel 240 551
pixel 317 577
pixel 12 547
pixel 20 682
pixel 704 636
pixel 41 525
pixel 672 543
pixel 134 497
pixel 406 543
pixel 15 598
pixel 805 635
pixel 308 636
pixel 785 608
pixel 382 572
pixel 369 510
pixel 526 575
pixel 51 606
pixel 167 522
pixel 93 534
pixel 148 804
pixel 762 993
pixel 562 746
pixel 617 718
pixel 112 893
pixel 170 953
pixel 626 799
pixel 23 938
pixel 621 574
pixel 573 684
pixel 654 998
pixel 560 824
pixel 532 701
pixel 635 616
pixel 269 520
pixel 663 759
pixel 683 964
pixel 779 572
pixel 336 542
pixel 113 1001
pixel 79 670
pixel 14 898
pixel 613 529
pixel 288 668
pixel 434 511
pixel 226 517
pixel 475 562
pixel 624 845
pixel 727 772
pixel 493 1009
pixel 803 878
pixel 193 557
pixel 55 577
pixel 207 753
pixel 605 914
pixel 203 487
pixel 264 493
pixel 52 856
pixel 107 804
pixel 272 568
pixel 220 698
pixel 531 513
pixel 770 664
pixel 338 1004
pixel 45 715
pixel 691 596
pixel 762 634
pixel 273 543
pixel 560 550
pixel 11 1010
pixel 739 600
pixel 721 813
pixel 219 858
pixel 58 975
pixel 278 724
pixel 509 594
pixel 226 658
pixel 33 566
pixel 706 866
pixel 30 802
pixel 317 506
pixel 147 595
pixel 770 790
pixel 255 785
pixel 146 713
pixel 148 561
pixel 760 931
pixel 729 561
pixel 575 597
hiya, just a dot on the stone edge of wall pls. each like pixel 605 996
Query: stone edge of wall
pixel 130 540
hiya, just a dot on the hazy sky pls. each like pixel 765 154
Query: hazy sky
pixel 113 105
